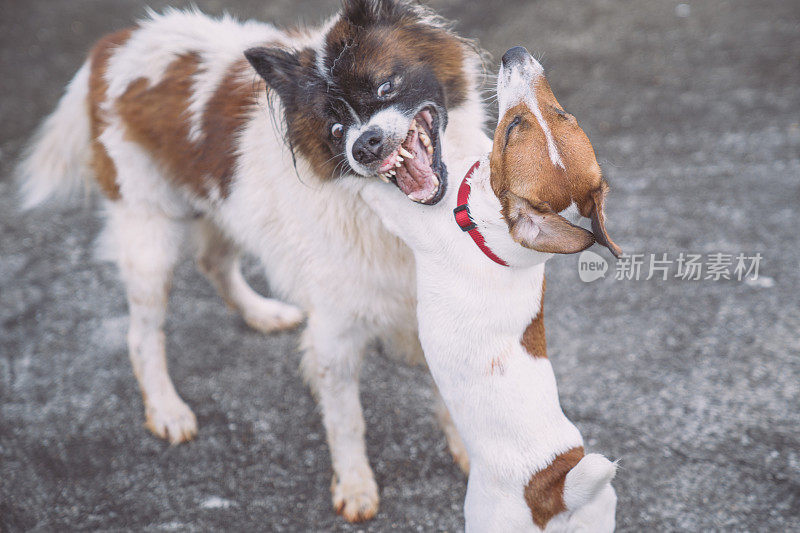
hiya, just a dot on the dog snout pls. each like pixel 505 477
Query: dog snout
pixel 367 148
pixel 518 54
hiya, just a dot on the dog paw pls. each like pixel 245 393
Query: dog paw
pixel 172 421
pixel 460 456
pixel 273 316
pixel 456 446
pixel 356 499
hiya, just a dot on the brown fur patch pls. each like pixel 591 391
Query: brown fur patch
pixel 380 48
pixel 544 493
pixel 533 338
pixel 156 117
pixel 523 165
pixel 224 117
pixel 104 170
pixel 520 162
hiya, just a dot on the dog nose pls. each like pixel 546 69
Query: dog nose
pixel 515 55
pixel 367 147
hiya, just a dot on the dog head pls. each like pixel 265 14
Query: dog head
pixel 372 98
pixel 543 167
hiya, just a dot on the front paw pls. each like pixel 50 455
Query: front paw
pixel 456 446
pixel 171 419
pixel 356 497
pixel 459 453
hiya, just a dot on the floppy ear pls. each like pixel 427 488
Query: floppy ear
pixel 538 227
pixel 279 68
pixel 599 219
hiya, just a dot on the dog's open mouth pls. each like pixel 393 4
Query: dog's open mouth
pixel 416 165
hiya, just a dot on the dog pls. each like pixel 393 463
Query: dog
pixel 480 258
pixel 257 139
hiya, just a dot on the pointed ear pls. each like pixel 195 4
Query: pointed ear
pixel 586 479
pixel 598 217
pixel 538 227
pixel 279 68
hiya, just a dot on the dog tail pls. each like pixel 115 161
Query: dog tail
pixel 56 162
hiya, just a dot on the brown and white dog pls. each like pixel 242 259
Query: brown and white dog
pixel 266 154
pixel 480 257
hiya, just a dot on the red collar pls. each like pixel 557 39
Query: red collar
pixel 464 218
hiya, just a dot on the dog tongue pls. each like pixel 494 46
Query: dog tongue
pixel 415 177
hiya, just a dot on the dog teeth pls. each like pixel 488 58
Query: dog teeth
pixel 426 141
pixel 392 172
pixel 399 163
pixel 405 153
pixel 414 198
pixel 383 177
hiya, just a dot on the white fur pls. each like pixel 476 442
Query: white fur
pixel 393 124
pixel 162 37
pixel 321 246
pixel 472 314
pixel 485 209
pixel 147 247
pixel 592 517
pixel 55 161
pixel 586 479
pixel 139 177
pixel 517 85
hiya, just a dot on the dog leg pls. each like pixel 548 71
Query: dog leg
pixel 454 442
pixel 218 259
pixel 406 341
pixel 331 364
pixel 147 247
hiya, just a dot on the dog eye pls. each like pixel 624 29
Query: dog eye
pixel 385 89
pixel 337 130
pixel 516 122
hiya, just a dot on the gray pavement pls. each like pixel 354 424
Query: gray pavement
pixel 694 385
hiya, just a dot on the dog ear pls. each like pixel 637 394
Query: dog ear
pixel 279 68
pixel 538 227
pixel 597 215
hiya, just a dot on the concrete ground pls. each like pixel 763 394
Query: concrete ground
pixel 694 110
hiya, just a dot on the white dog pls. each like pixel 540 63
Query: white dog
pixel 179 131
pixel 480 288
